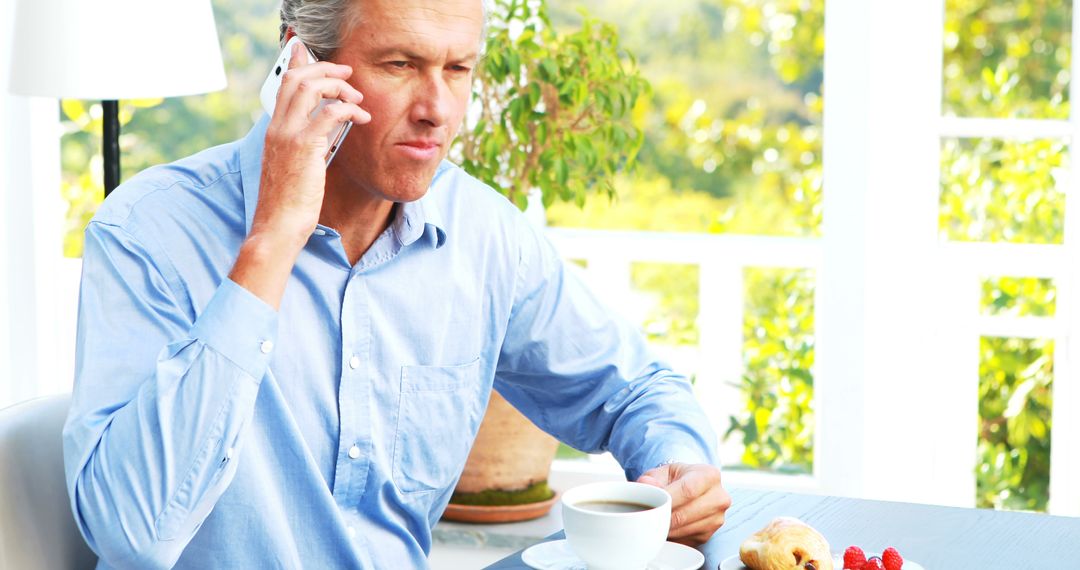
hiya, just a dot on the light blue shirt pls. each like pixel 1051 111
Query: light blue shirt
pixel 210 431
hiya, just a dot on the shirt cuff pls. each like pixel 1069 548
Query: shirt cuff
pixel 668 454
pixel 239 326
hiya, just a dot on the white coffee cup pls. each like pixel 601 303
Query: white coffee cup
pixel 622 540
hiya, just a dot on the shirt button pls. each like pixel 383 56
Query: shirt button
pixel 319 232
pixel 354 362
pixel 354 452
pixel 266 346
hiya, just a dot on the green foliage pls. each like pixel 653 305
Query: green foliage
pixel 1015 400
pixel 735 112
pixel 1007 59
pixel 83 187
pixel 672 319
pixel 644 202
pixel 777 424
pixel 1019 297
pixel 554 107
pixel 993 190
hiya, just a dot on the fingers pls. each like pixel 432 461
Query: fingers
pixel 698 503
pixel 305 85
pixel 698 520
pixel 654 479
pixel 314 99
pixel 309 93
pixel 333 115
pixel 691 483
pixel 297 58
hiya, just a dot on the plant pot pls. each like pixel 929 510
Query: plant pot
pixel 505 476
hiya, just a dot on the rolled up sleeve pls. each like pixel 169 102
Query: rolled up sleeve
pixel 163 393
pixel 588 377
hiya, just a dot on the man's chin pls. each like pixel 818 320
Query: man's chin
pixel 411 196
pixel 409 188
pixel 412 191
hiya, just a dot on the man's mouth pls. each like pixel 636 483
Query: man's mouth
pixel 420 149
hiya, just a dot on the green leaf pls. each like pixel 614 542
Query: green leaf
pixel 73 109
pixel 562 172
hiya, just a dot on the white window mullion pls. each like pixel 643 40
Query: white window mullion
pixel 36 318
pixel 40 315
pixel 720 323
pixel 1065 427
pixel 1065 430
pixel 952 399
pixel 880 229
pixel 839 356
pixel 1022 129
pixel 7 179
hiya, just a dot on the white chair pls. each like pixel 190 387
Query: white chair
pixel 37 529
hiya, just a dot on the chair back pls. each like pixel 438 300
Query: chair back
pixel 37 529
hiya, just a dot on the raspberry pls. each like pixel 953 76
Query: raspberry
pixel 854 558
pixel 874 564
pixel 892 559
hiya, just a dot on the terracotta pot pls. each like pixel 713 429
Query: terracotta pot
pixel 510 454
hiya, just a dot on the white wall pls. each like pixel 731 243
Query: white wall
pixel 36 284
pixel 6 18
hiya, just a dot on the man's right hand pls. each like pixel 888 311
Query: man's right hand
pixel 294 172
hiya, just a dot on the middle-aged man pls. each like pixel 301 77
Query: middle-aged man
pixel 282 365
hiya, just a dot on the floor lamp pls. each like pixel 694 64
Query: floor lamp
pixel 111 50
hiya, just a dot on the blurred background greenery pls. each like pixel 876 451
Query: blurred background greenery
pixel 733 145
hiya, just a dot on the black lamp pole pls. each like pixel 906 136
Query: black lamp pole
pixel 110 144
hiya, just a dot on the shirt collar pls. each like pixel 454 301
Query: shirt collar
pixel 412 221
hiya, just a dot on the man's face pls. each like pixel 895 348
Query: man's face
pixel 413 61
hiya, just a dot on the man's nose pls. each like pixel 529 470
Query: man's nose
pixel 432 101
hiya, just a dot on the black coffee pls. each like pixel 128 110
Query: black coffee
pixel 612 506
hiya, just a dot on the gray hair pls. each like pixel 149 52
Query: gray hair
pixel 319 23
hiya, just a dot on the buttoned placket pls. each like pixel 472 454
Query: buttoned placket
pixel 355 390
pixel 354 396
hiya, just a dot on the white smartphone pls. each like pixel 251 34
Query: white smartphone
pixel 269 91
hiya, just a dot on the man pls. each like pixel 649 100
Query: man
pixel 284 365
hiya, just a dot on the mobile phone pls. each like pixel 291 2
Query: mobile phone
pixel 269 91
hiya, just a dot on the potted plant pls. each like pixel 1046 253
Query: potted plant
pixel 551 117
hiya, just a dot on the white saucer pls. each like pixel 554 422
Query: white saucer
pixel 556 555
pixel 734 563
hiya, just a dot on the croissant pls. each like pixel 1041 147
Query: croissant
pixel 786 544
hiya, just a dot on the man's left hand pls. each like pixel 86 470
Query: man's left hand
pixel 698 500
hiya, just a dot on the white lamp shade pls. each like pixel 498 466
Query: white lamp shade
pixel 115 49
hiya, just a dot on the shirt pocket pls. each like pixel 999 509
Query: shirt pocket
pixel 438 415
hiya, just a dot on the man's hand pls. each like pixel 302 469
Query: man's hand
pixel 698 500
pixel 294 167
pixel 293 176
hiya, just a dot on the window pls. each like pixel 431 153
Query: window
pixel 875 297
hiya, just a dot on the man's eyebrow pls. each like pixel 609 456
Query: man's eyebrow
pixel 470 56
pixel 404 53
pixel 396 52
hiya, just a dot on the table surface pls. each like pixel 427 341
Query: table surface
pixel 939 538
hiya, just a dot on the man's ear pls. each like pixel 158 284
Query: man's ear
pixel 289 33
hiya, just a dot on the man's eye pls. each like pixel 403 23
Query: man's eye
pixel 398 64
pixel 460 68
